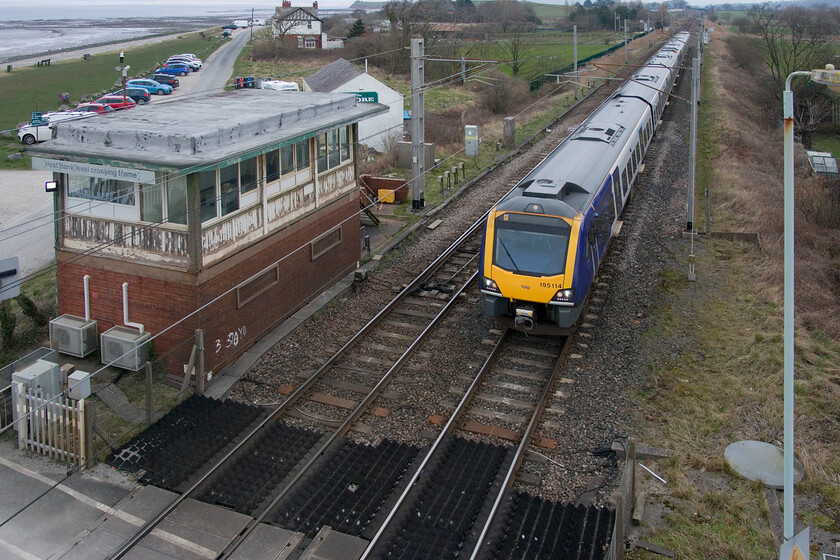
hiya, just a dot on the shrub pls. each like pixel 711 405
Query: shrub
pixel 506 95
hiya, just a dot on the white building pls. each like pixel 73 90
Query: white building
pixel 378 132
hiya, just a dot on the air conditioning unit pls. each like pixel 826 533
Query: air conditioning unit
pixel 74 335
pixel 126 347
pixel 41 374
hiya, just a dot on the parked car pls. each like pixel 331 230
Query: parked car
pixel 189 55
pixel 165 79
pixel 98 108
pixel 117 101
pixel 139 95
pixel 30 134
pixel 175 69
pixel 151 86
pixel 229 26
pixel 195 65
pixel 226 33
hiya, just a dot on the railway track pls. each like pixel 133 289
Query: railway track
pixel 311 480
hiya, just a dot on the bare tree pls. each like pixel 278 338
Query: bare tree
pixel 516 49
pixel 407 19
pixel 794 38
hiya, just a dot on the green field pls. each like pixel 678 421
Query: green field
pixel 540 53
pixel 826 142
pixel 38 88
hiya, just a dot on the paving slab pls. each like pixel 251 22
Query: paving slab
pixel 46 526
pixel 268 542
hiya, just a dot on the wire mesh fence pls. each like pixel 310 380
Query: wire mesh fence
pixel 125 402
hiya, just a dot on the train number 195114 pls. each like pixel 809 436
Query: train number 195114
pixel 551 285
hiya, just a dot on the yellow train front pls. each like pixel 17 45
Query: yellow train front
pixel 528 263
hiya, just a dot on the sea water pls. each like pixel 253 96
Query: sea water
pixel 29 29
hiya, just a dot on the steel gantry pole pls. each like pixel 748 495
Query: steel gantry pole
pixel 418 130
pixel 574 31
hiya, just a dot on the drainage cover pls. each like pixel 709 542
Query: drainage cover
pixel 757 460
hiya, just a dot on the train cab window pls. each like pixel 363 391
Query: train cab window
pixel 531 245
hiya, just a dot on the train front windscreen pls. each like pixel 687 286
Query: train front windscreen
pixel 531 245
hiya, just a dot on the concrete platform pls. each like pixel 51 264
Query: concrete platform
pixel 195 530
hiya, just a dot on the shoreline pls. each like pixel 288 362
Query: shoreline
pixel 69 53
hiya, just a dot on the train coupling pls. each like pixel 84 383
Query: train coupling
pixel 524 319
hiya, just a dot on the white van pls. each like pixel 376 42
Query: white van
pixel 240 23
pixel 278 85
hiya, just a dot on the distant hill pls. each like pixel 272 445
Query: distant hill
pixel 366 6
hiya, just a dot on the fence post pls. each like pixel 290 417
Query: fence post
pixel 199 362
pixel 149 403
pixel 89 438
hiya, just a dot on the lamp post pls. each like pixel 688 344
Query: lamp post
pixel 831 78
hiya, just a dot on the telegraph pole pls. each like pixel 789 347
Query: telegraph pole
pixel 418 131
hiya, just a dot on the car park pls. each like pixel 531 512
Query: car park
pixel 31 133
pixel 165 79
pixel 150 86
pixel 195 65
pixel 117 101
pixel 139 95
pixel 99 108
pixel 175 69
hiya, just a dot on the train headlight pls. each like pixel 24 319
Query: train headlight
pixel 564 297
pixel 489 285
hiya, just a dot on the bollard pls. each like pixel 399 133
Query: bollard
pixel 498 146
pixel 448 183
pixel 455 174
pixel 463 171
pixel 440 182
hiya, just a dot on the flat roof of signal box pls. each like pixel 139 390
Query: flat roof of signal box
pixel 205 130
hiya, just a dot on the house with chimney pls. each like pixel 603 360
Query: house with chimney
pixel 301 28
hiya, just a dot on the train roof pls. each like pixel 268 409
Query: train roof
pixel 573 172
pixel 565 182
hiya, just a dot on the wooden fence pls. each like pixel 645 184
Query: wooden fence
pixel 58 427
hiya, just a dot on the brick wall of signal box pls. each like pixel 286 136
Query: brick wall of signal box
pixel 229 330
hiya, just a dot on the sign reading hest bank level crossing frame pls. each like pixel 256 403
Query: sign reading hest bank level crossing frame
pixel 92 170
pixel 366 96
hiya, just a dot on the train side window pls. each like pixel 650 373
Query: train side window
pixel 615 180
pixel 625 184
pixel 639 153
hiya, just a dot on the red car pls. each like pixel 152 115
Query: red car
pixel 117 101
pixel 99 108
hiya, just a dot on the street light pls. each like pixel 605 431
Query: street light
pixel 124 73
pixel 831 78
